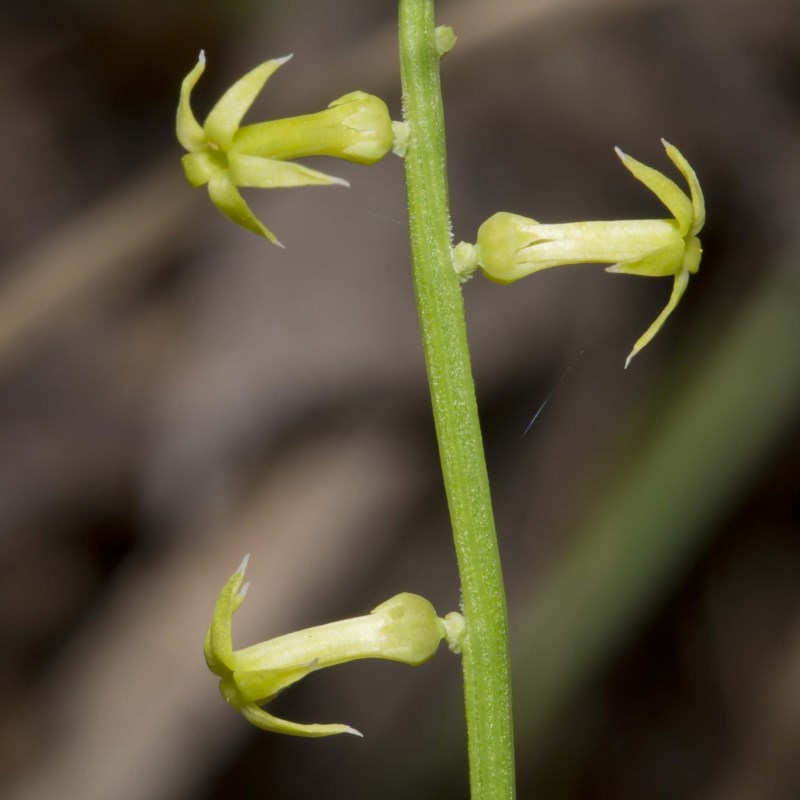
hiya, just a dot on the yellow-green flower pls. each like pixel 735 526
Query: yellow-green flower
pixel 510 247
pixel 404 628
pixel 225 155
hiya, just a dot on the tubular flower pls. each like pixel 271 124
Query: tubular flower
pixel 404 628
pixel 226 155
pixel 510 246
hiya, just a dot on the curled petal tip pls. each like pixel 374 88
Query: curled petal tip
pixel 201 59
pixel 243 566
pixel 348 729
pixel 281 61
pixel 621 155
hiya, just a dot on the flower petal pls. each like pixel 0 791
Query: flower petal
pixel 620 241
pixel 656 264
pixel 678 288
pixel 190 134
pixel 261 719
pixel 219 643
pixel 260 685
pixel 227 199
pixel 270 173
pixel 666 190
pixel 201 167
pixel 224 119
pixel 698 201
pixel 692 256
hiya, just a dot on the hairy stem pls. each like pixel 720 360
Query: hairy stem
pixel 441 311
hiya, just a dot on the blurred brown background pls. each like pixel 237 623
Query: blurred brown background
pixel 175 392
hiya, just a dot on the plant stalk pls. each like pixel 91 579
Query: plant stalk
pixel 487 684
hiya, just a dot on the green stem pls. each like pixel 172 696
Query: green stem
pixel 487 686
